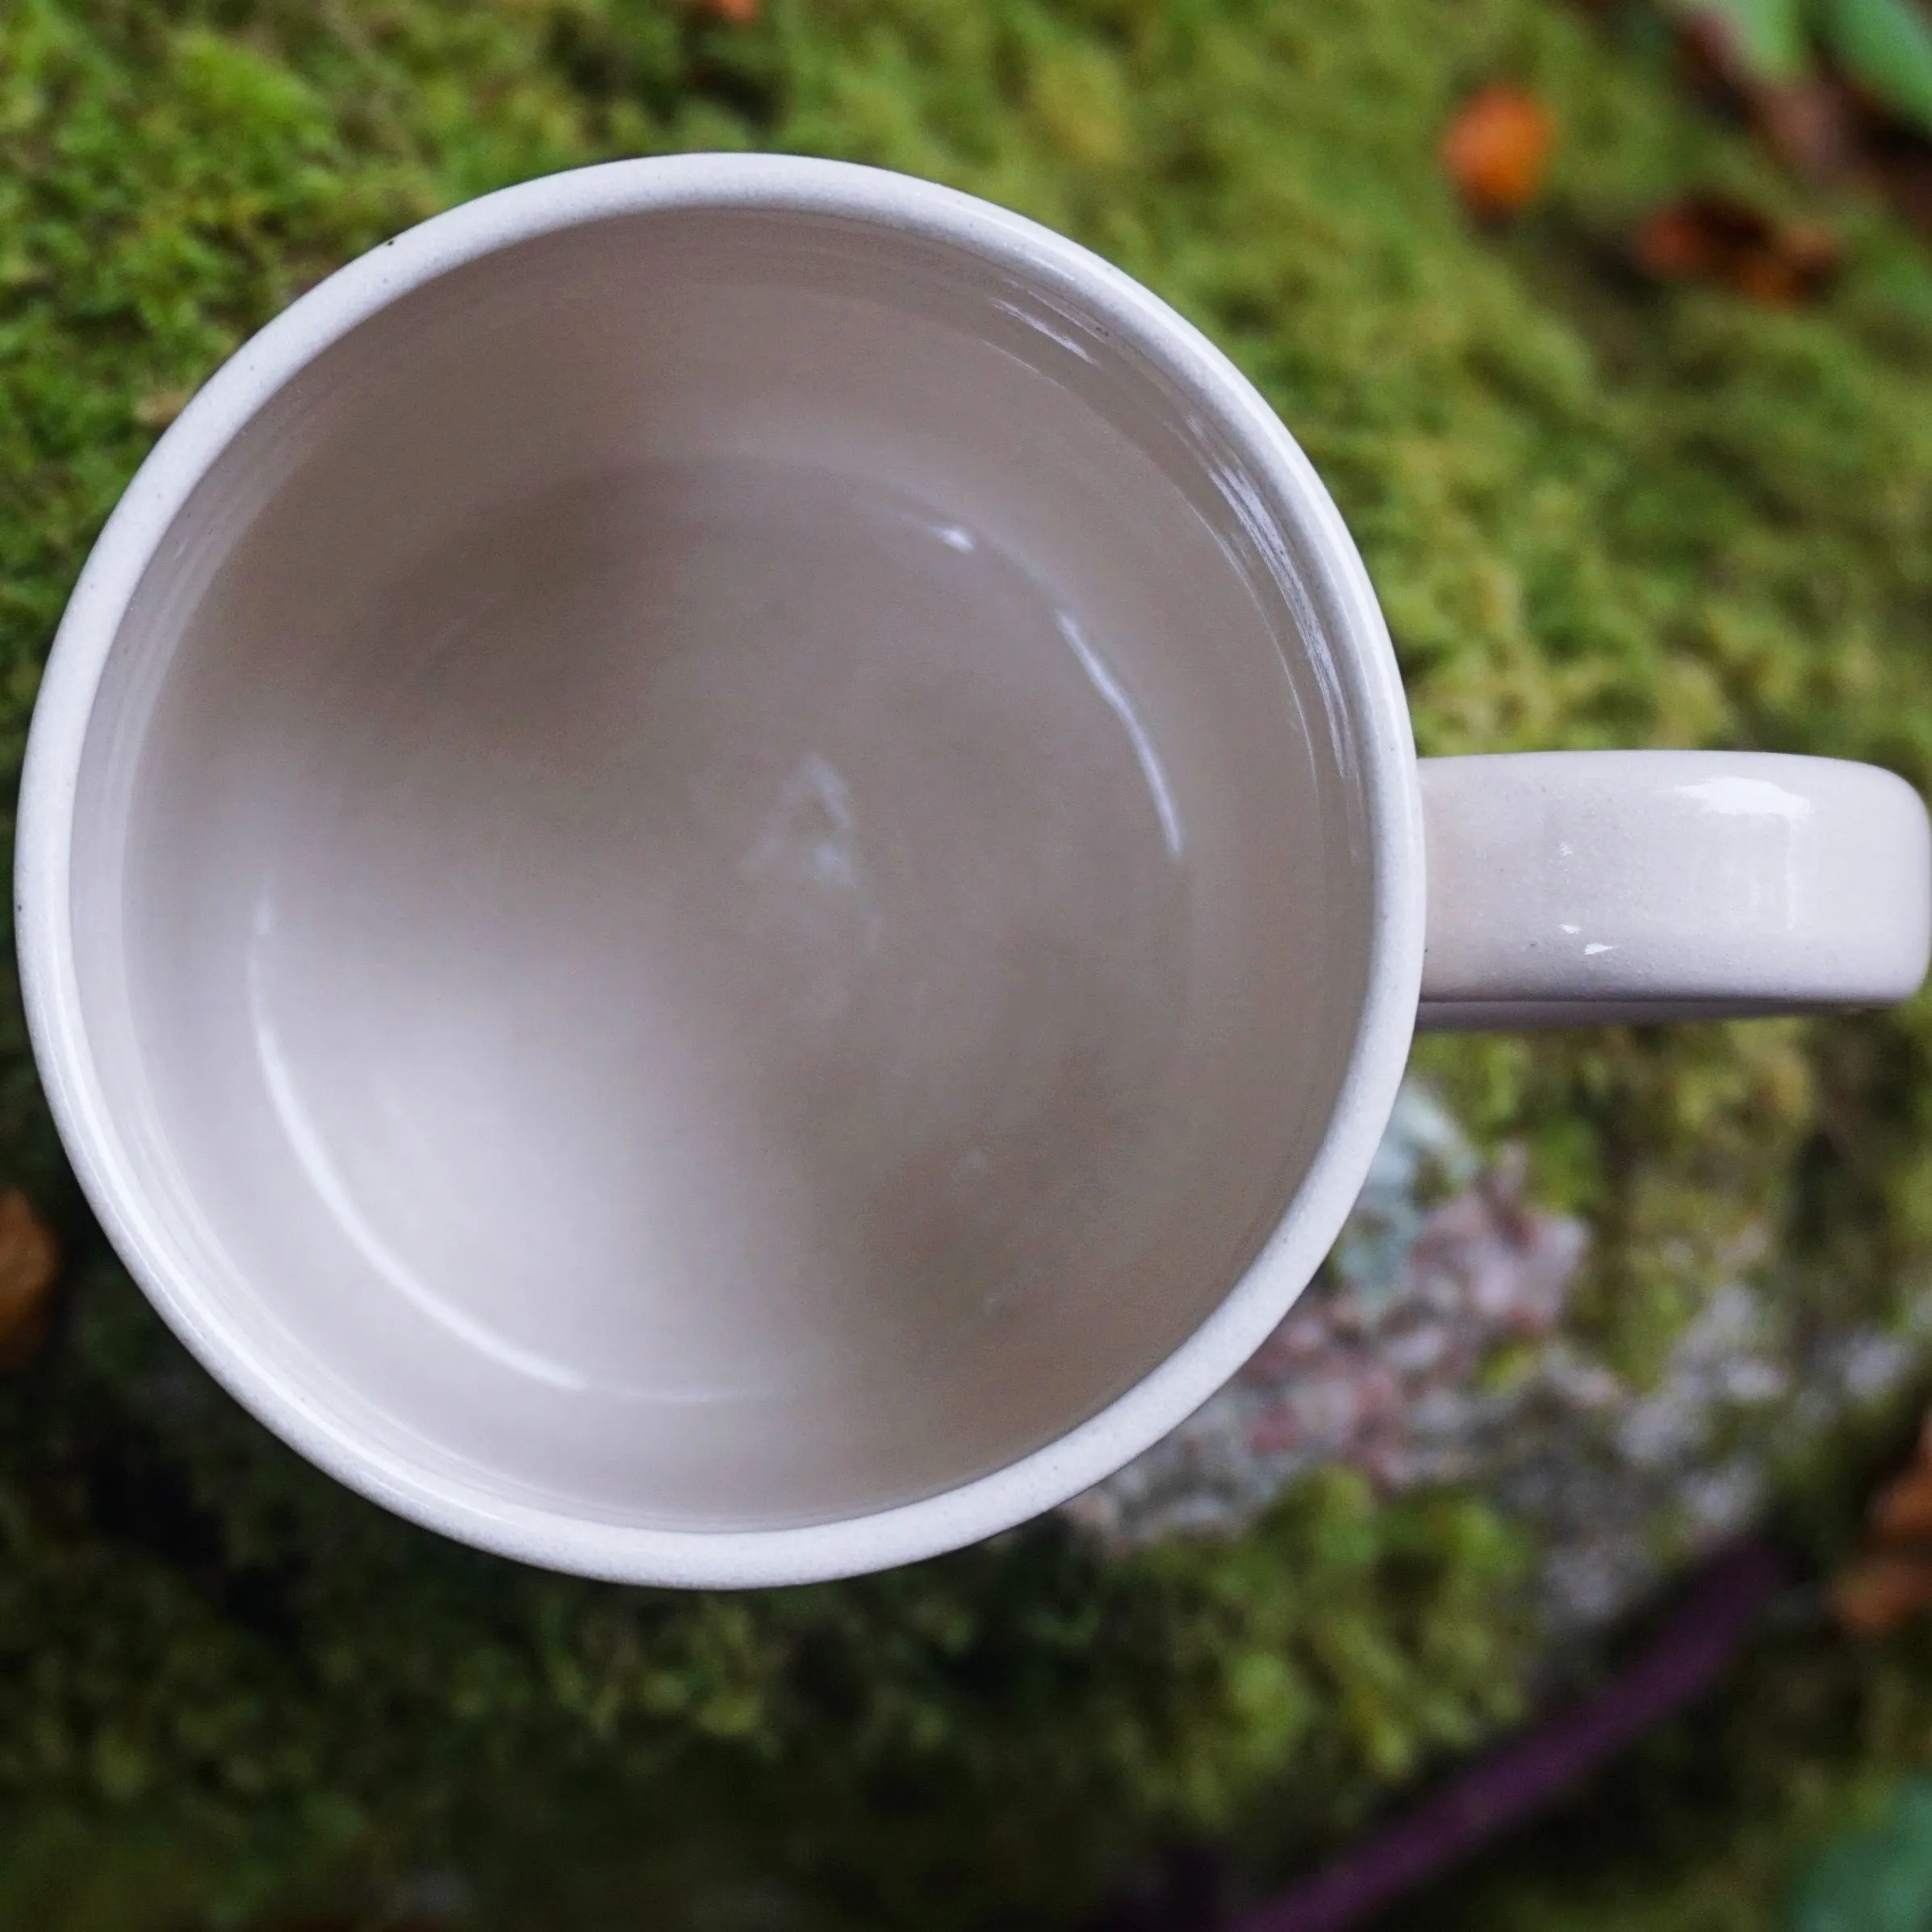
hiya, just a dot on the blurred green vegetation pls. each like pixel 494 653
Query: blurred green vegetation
pixel 1598 514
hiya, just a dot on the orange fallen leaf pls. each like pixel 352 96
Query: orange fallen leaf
pixel 740 13
pixel 1497 148
pixel 1903 1512
pixel 1880 1592
pixel 1891 1580
pixel 30 1264
pixel 1718 238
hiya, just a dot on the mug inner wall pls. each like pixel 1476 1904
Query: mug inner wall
pixel 717 886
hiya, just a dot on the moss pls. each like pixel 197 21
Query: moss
pixel 1597 514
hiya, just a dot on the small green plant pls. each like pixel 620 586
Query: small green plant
pixel 1883 47
pixel 1877 1878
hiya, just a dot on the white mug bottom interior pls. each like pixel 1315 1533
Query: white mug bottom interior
pixel 709 895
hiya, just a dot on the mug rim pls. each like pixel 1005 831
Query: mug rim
pixel 1384 753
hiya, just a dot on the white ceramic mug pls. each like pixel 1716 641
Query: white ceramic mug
pixel 721 874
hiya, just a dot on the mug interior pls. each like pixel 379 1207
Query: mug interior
pixel 718 881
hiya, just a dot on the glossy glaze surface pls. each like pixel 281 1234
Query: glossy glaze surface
pixel 1567 886
pixel 738 879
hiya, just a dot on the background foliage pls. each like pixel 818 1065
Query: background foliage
pixel 1598 512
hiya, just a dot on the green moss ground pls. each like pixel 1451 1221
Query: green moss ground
pixel 1597 514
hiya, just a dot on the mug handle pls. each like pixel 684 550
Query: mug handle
pixel 1576 888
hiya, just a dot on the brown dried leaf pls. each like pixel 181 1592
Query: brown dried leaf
pixel 30 1264
pixel 1808 125
pixel 1497 149
pixel 1719 239
pixel 1903 1512
pixel 1893 1578
pixel 1879 1593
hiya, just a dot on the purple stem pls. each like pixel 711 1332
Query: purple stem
pixel 1686 1654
